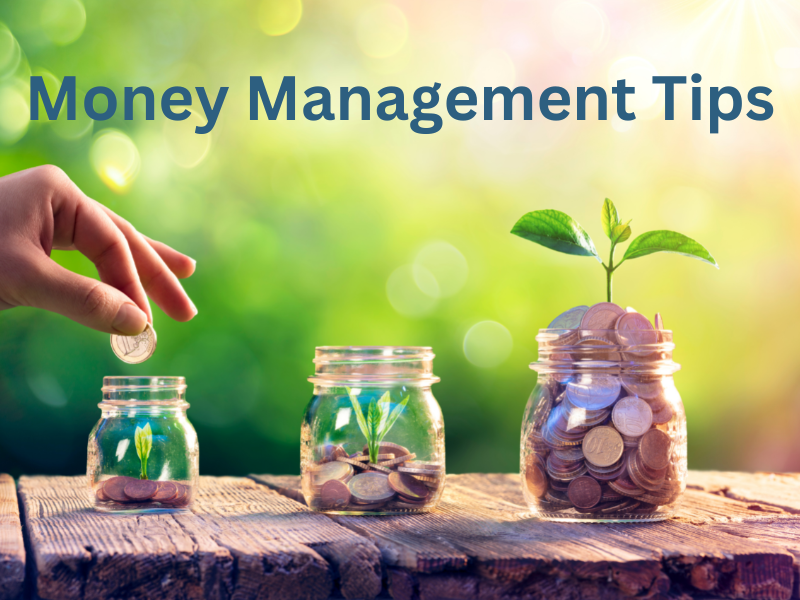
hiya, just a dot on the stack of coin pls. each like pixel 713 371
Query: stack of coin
pixel 394 482
pixel 605 436
pixel 126 493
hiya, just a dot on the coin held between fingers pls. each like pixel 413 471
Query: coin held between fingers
pixel 137 348
pixel 130 320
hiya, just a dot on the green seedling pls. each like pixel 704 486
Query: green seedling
pixel 143 438
pixel 379 420
pixel 558 231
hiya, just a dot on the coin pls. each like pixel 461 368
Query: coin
pixel 389 448
pixel 593 392
pixel 408 486
pixel 135 349
pixel 584 492
pixel 140 489
pixel 113 488
pixel 648 387
pixel 632 416
pixel 601 316
pixel 603 446
pixel 100 493
pixel 536 479
pixel 356 462
pixel 181 497
pixel 398 460
pixel 334 495
pixel 654 449
pixel 370 487
pixel 378 467
pixel 662 414
pixel 418 464
pixel 570 319
pixel 590 347
pixel 634 329
pixel 572 453
pixel 337 470
pixel 167 490
pixel 659 322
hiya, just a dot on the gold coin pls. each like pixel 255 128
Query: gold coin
pixel 135 349
pixel 603 446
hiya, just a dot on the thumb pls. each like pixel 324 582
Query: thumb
pixel 84 300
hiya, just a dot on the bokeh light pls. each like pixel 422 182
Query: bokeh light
pixel 14 111
pixel 445 264
pixel 487 344
pixel 579 27
pixel 187 148
pixel 63 21
pixel 382 30
pixel 279 17
pixel 406 296
pixel 115 159
pixel 10 52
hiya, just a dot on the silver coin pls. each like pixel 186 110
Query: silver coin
pixel 632 417
pixel 593 392
pixel 570 319
pixel 135 349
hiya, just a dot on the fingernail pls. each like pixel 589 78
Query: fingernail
pixel 130 320
pixel 194 308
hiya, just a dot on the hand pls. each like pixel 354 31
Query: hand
pixel 41 209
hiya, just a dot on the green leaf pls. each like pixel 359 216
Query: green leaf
pixel 362 423
pixel 393 417
pixel 668 241
pixel 555 230
pixel 373 419
pixel 621 232
pixel 610 218
pixel 143 440
pixel 384 406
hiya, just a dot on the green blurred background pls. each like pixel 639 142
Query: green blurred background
pixel 364 233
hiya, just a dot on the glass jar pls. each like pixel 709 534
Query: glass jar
pixel 143 453
pixel 372 439
pixel 604 432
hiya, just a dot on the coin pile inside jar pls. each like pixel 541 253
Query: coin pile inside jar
pixel 601 441
pixel 143 493
pixel 395 482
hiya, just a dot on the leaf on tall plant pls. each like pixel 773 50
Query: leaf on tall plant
pixel 668 241
pixel 610 218
pixel 143 440
pixel 395 414
pixel 362 423
pixel 555 230
pixel 373 419
pixel 621 232
pixel 384 407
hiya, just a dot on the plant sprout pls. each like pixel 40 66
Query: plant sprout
pixel 558 231
pixel 143 439
pixel 380 419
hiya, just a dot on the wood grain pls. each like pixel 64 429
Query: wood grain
pixel 482 543
pixel 12 549
pixel 240 541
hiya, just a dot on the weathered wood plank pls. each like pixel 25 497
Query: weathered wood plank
pixel 781 490
pixel 481 543
pixel 240 541
pixel 12 549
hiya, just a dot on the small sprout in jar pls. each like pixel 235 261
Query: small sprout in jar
pixel 378 422
pixel 143 439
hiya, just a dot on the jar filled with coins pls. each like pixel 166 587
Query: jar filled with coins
pixel 372 439
pixel 143 453
pixel 604 432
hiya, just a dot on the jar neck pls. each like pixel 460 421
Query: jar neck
pixel 373 366
pixel 645 352
pixel 127 394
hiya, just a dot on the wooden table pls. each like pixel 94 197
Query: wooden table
pixel 737 536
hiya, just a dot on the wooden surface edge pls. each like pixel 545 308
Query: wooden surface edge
pixel 12 547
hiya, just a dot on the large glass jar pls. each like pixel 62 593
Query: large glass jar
pixel 372 439
pixel 604 432
pixel 143 453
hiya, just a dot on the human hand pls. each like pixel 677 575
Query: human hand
pixel 41 209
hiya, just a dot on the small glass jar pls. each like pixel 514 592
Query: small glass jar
pixel 372 439
pixel 604 432
pixel 143 453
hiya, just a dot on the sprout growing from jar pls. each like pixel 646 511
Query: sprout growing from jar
pixel 379 420
pixel 143 438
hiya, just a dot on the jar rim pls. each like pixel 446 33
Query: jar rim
pixel 345 354
pixel 119 383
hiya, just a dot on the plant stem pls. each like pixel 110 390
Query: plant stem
pixel 610 272
pixel 144 469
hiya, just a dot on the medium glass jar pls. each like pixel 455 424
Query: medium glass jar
pixel 143 453
pixel 372 439
pixel 604 432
